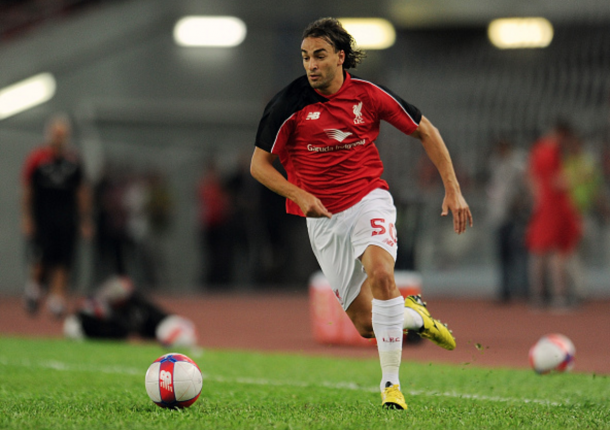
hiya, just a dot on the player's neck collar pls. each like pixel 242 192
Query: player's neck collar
pixel 346 80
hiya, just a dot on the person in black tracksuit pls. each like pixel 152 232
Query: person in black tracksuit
pixel 56 207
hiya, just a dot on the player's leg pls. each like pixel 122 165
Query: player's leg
pixel 337 249
pixel 85 325
pixel 429 327
pixel 558 274
pixel 360 311
pixel 331 243
pixel 416 318
pixel 34 291
pixel 374 240
pixel 370 318
pixel 537 269
pixel 60 255
pixel 387 316
pixel 58 284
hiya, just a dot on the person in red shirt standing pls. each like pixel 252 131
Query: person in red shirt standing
pixel 554 229
pixel 214 220
pixel 56 203
pixel 323 127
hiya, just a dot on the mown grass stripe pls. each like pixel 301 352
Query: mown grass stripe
pixel 122 370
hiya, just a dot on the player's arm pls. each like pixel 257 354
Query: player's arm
pixel 27 218
pixel 262 169
pixel 436 149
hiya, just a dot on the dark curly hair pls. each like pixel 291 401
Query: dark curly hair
pixel 331 30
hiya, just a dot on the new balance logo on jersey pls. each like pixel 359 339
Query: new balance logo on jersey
pixel 338 135
pixel 358 114
pixel 312 115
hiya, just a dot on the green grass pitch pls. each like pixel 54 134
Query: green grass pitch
pixel 57 384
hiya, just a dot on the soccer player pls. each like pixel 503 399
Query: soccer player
pixel 56 202
pixel 323 127
pixel 117 310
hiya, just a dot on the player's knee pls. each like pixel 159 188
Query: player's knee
pixel 382 283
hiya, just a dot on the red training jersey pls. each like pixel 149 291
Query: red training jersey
pixel 327 143
pixel 555 223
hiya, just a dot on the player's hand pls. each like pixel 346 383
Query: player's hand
pixel 27 227
pixel 460 211
pixel 86 229
pixel 311 206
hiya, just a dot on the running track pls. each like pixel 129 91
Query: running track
pixel 281 322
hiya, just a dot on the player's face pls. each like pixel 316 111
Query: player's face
pixel 58 137
pixel 323 64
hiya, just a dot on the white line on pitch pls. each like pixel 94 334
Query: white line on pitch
pixel 122 370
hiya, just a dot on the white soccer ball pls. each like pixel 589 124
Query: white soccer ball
pixel 552 353
pixel 175 331
pixel 174 381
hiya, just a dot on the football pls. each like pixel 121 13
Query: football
pixel 175 331
pixel 552 353
pixel 174 381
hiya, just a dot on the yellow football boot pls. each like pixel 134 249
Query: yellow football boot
pixel 392 398
pixel 432 329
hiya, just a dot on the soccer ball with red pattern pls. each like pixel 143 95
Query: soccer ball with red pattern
pixel 175 331
pixel 552 353
pixel 174 381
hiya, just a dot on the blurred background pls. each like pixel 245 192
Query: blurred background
pixel 166 132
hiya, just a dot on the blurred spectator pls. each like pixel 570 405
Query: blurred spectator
pixel 554 228
pixel 508 211
pixel 583 174
pixel 277 233
pixel 118 310
pixel 160 207
pixel 136 201
pixel 585 180
pixel 56 201
pixel 133 213
pixel 605 161
pixel 111 221
pixel 214 219
pixel 244 192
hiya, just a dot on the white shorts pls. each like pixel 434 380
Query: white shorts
pixel 339 242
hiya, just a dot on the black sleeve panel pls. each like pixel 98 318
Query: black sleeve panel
pixel 413 112
pixel 287 102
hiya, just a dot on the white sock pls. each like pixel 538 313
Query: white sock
pixel 388 316
pixel 32 289
pixel 412 320
pixel 56 304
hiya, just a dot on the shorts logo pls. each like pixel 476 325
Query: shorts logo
pixel 358 114
pixel 338 135
pixel 379 228
pixel 312 115
pixel 338 296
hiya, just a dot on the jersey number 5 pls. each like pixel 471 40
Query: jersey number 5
pixel 379 228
